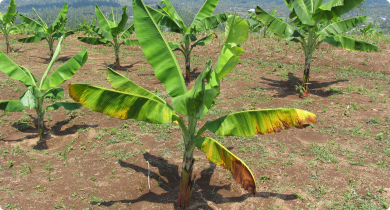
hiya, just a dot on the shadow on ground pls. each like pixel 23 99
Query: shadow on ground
pixel 202 192
pixel 286 88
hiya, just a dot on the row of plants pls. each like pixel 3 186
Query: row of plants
pixel 312 21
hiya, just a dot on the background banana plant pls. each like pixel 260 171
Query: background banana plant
pixel 7 22
pixel 44 32
pixel 257 24
pixel 35 94
pixel 87 29
pixel 314 23
pixel 115 31
pixel 368 31
pixel 202 22
pixel 131 101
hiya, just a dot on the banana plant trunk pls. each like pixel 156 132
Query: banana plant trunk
pixel 186 182
pixel 116 49
pixel 40 117
pixel 7 43
pixel 51 43
pixel 188 67
pixel 306 75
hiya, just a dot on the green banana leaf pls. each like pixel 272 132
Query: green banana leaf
pixel 40 20
pixel 54 93
pixel 204 41
pixel 127 33
pixel 111 16
pixel 236 32
pixel 28 98
pixel 12 106
pixel 131 42
pixel 335 8
pixel 303 12
pixel 14 71
pixel 122 84
pixel 205 11
pixel 157 51
pixel 343 26
pixel 350 44
pixel 105 24
pixel 156 15
pixel 211 22
pixel 103 33
pixel 218 154
pixel 251 123
pixel 192 102
pixel 172 13
pixel 276 25
pixel 174 45
pixel 31 39
pixel 122 23
pixel 93 40
pixel 10 15
pixel 67 106
pixel 122 105
pixel 65 71
pixel 32 23
pixel 60 19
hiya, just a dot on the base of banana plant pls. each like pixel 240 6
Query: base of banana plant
pixel 8 48
pixel 118 64
pixel 186 183
pixel 188 69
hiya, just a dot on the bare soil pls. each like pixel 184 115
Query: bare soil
pixel 93 161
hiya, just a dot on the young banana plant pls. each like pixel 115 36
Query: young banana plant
pixel 315 23
pixel 7 22
pixel 131 101
pixel 44 32
pixel 112 30
pixel 87 29
pixel 202 22
pixel 258 24
pixel 35 93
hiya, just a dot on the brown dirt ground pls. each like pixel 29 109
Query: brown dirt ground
pixel 106 162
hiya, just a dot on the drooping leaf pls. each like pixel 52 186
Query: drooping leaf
pixel 174 45
pixel 54 93
pixel 67 106
pixel 122 84
pixel 122 105
pixel 131 42
pixel 65 71
pixel 350 44
pixel 127 33
pixel 28 99
pixel 14 71
pixel 32 23
pixel 93 40
pixel 342 26
pixel 205 11
pixel 204 41
pixel 250 123
pixel 12 106
pixel 31 39
pixel 157 51
pixel 211 22
pixel 218 154
pixel 334 9
pixel 103 33
pixel 276 25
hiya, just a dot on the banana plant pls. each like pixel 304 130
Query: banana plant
pixel 314 23
pixel 115 31
pixel 87 29
pixel 45 32
pixel 7 21
pixel 368 31
pixel 35 94
pixel 202 22
pixel 258 24
pixel 131 101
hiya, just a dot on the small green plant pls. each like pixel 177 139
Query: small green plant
pixel 33 97
pixel 7 23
